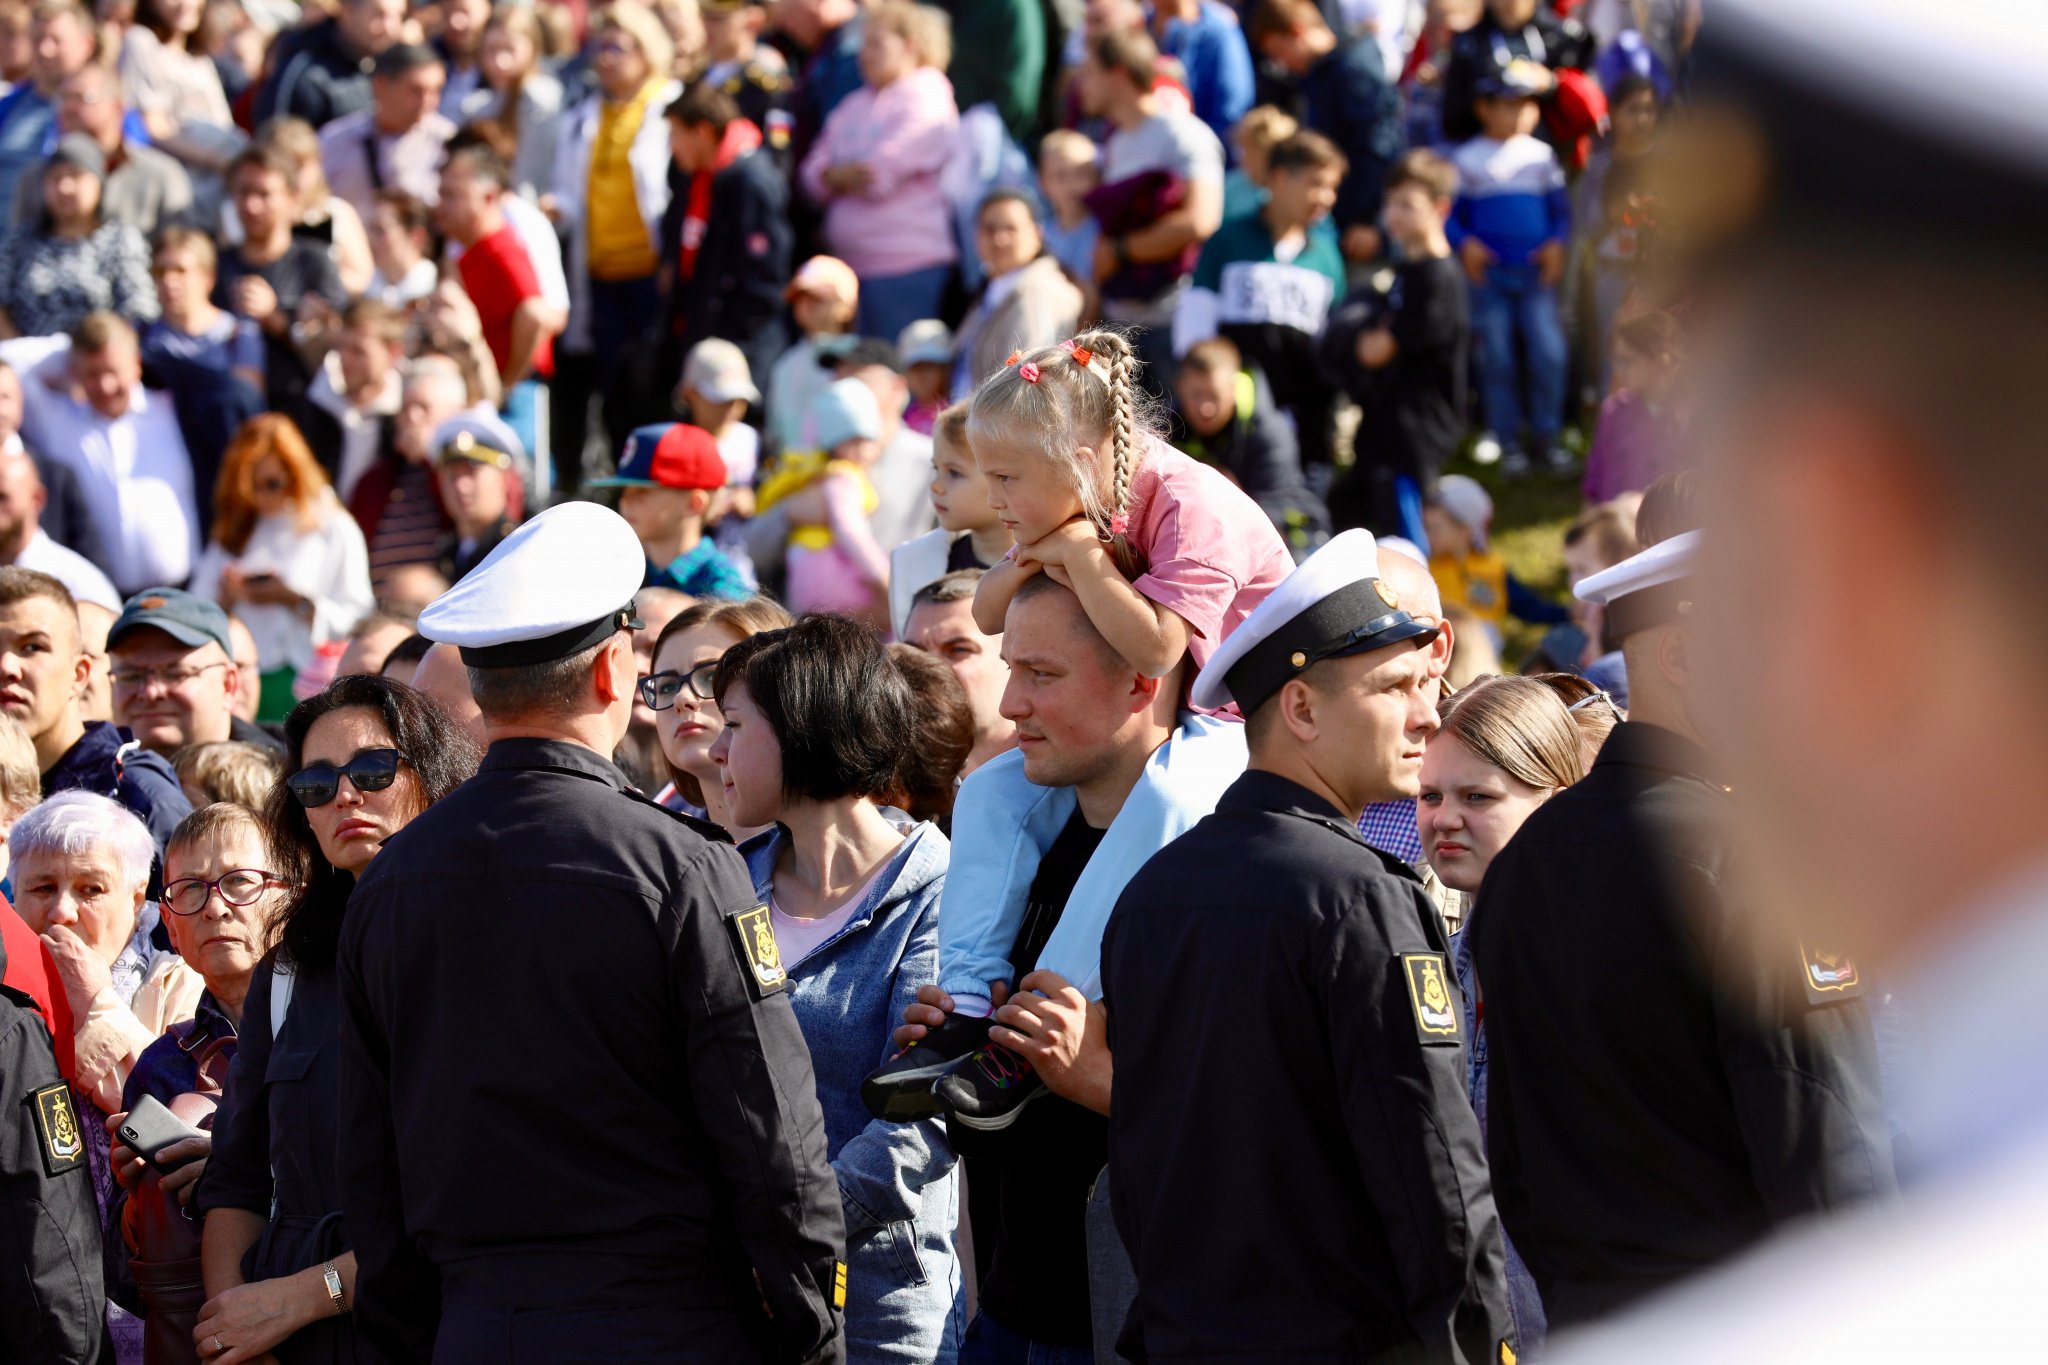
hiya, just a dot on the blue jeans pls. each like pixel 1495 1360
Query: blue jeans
pixel 889 305
pixel 1513 305
pixel 990 1343
pixel 1003 823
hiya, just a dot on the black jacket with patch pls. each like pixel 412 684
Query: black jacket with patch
pixel 52 1290
pixel 1294 1165
pixel 1662 1089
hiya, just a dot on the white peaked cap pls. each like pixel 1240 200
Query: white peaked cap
pixel 1333 604
pixel 559 584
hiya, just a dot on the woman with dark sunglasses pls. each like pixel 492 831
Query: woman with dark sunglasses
pixel 366 756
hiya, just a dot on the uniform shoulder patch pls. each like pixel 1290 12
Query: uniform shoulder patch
pixel 57 1125
pixel 760 960
pixel 1829 976
pixel 1429 992
pixel 839 1284
pixel 1507 1354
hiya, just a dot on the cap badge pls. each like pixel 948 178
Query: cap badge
pixel 464 440
pixel 152 604
pixel 1387 594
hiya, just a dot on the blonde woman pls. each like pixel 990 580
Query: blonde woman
pixel 611 185
pixel 1506 745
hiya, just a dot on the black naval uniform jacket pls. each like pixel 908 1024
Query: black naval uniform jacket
pixel 1662 1087
pixel 570 1073
pixel 1294 1165
pixel 52 1289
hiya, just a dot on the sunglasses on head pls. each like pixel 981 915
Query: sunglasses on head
pixel 372 770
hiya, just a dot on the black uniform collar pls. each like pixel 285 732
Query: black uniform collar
pixel 1638 744
pixel 1268 792
pixel 560 755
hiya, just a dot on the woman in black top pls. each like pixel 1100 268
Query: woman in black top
pixel 366 756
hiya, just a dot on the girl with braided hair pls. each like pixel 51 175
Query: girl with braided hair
pixel 1166 556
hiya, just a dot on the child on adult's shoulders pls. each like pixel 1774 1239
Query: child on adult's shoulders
pixel 969 535
pixel 670 472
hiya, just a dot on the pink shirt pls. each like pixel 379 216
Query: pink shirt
pixel 1211 554
pixel 905 134
pixel 796 939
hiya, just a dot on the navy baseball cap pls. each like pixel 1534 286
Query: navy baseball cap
pixel 189 619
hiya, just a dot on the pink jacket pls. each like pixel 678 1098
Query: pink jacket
pixel 905 134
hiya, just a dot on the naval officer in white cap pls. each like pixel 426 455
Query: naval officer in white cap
pixel 1294 1166
pixel 579 1121
pixel 1663 1086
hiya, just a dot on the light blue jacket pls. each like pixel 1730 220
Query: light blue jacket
pixel 898 1182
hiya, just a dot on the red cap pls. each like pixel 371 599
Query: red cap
pixel 668 455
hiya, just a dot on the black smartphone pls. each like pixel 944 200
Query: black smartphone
pixel 149 1128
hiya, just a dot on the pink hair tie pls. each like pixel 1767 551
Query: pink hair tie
pixel 1120 524
pixel 1029 371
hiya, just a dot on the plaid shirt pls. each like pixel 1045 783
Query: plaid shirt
pixel 1389 826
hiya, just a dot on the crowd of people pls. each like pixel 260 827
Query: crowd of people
pixel 830 679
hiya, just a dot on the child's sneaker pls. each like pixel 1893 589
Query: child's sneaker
pixel 1514 463
pixel 900 1089
pixel 989 1089
pixel 1487 449
pixel 1560 458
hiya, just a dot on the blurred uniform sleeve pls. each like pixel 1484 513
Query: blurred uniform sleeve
pixel 751 1083
pixel 1801 1062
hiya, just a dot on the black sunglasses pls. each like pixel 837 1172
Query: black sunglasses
pixel 660 690
pixel 372 770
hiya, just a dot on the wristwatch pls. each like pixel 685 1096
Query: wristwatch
pixel 332 1277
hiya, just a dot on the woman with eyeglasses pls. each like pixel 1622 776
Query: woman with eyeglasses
pixel 1506 745
pixel 364 758
pixel 219 893
pixel 678 691
pixel 285 556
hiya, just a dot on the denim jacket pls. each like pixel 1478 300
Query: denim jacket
pixel 898 1182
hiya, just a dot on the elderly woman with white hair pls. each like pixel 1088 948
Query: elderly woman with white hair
pixel 81 867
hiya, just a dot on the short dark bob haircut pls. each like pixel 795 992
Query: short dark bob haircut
pixel 439 756
pixel 837 703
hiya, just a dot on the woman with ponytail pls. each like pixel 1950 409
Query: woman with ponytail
pixel 1166 556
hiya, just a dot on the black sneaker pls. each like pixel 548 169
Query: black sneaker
pixel 900 1090
pixel 989 1089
